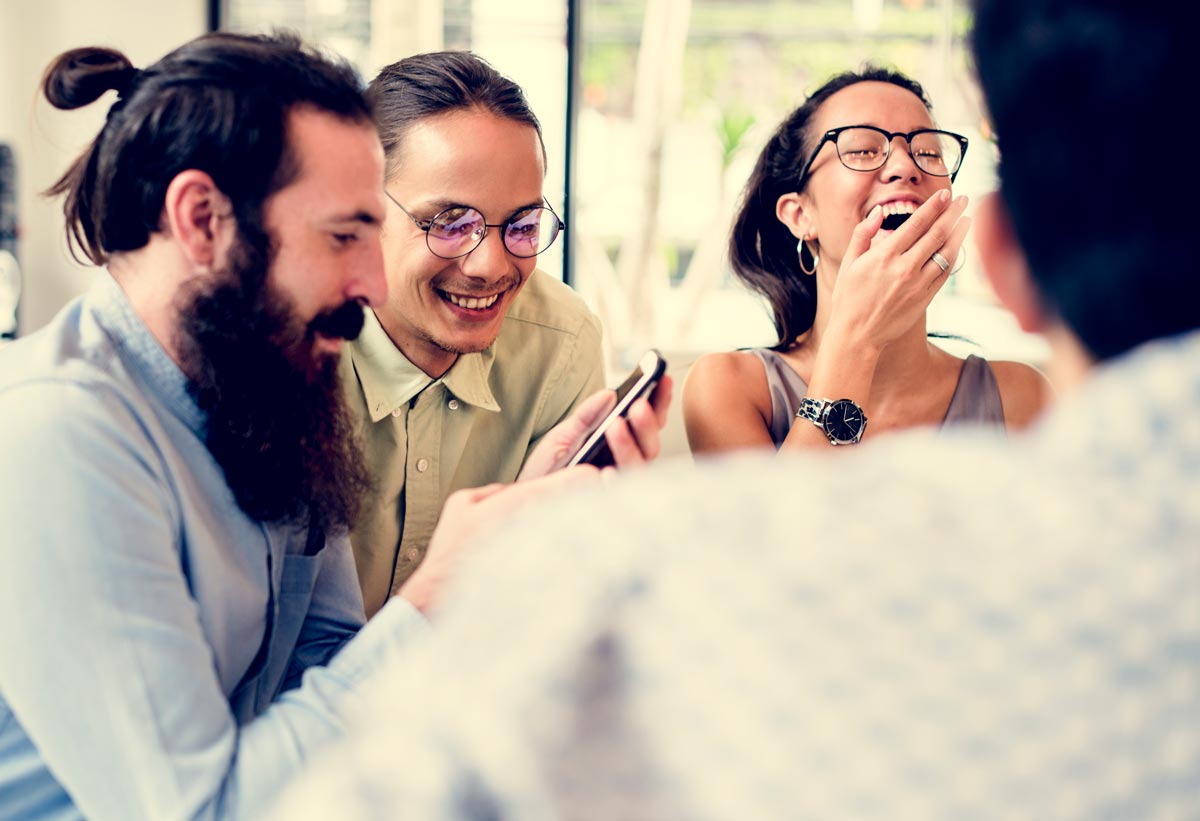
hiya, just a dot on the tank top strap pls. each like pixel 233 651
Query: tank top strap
pixel 786 388
pixel 976 399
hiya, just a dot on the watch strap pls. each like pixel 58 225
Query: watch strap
pixel 812 410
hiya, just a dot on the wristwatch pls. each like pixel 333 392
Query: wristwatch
pixel 841 419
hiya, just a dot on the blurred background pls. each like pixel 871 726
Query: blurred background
pixel 653 114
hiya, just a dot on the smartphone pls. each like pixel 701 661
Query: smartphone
pixel 641 382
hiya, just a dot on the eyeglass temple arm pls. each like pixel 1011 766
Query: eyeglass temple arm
pixel 424 225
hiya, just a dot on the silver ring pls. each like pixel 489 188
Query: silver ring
pixel 940 261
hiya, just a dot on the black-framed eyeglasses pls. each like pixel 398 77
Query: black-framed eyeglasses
pixel 457 231
pixel 867 148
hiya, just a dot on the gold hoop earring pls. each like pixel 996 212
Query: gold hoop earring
pixel 801 247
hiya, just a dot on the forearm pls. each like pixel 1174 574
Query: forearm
pixel 131 729
pixel 844 368
pixel 272 749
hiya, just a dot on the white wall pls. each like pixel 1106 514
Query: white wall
pixel 45 140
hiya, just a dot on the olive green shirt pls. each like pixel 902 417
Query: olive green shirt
pixel 473 426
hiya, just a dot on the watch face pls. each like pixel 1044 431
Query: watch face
pixel 844 422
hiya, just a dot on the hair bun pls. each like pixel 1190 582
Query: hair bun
pixel 79 76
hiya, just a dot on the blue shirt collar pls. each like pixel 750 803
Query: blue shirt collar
pixel 143 353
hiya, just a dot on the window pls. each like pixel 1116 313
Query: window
pixel 675 98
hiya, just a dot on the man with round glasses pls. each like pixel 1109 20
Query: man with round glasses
pixel 476 356
pixel 457 231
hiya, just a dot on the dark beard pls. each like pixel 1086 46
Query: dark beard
pixel 277 423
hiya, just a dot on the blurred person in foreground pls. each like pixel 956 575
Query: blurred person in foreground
pixel 964 626
pixel 848 233
pixel 181 616
pixel 476 355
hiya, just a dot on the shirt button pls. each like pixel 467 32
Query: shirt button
pixel 452 404
pixel 411 554
pixel 422 465
pixel 397 411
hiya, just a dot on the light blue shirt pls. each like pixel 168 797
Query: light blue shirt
pixel 152 636
pixel 930 626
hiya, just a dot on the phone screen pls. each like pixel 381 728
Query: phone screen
pixel 641 382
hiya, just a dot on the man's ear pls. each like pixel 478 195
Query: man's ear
pixel 792 210
pixel 1005 265
pixel 199 218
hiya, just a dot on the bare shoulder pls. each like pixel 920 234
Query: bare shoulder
pixel 726 402
pixel 726 367
pixel 724 379
pixel 1024 392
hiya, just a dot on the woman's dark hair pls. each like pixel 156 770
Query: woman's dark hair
pixel 761 248
pixel 218 104
pixel 426 85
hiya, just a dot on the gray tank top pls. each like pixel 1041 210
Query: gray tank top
pixel 976 399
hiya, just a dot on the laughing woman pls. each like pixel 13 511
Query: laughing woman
pixel 849 229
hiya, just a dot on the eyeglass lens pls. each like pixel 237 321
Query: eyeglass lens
pixel 458 231
pixel 864 149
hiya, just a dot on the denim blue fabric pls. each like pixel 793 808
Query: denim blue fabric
pixel 162 655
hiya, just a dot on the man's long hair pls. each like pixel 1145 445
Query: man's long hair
pixel 218 104
pixel 276 422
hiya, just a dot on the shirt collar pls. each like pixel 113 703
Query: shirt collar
pixel 1131 404
pixel 389 380
pixel 143 353
pixel 467 379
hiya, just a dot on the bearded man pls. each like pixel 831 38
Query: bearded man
pixel 180 606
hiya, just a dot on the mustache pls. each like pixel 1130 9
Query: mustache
pixel 343 322
pixel 475 289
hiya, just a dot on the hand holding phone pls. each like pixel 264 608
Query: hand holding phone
pixel 640 383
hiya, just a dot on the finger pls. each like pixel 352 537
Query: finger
pixel 645 426
pixel 635 439
pixel 949 251
pixel 953 247
pixel 591 412
pixel 661 398
pixel 939 233
pixel 864 232
pixel 569 434
pixel 623 444
pixel 920 222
